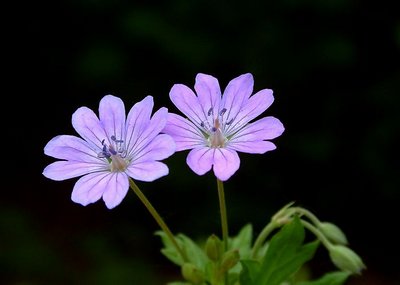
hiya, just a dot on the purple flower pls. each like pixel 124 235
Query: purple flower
pixel 218 126
pixel 113 148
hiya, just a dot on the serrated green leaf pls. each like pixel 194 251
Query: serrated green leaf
pixel 285 255
pixel 332 278
pixel 194 253
pixel 250 271
pixel 169 250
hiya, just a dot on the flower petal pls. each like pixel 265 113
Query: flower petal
pixel 208 92
pixel 264 129
pixel 255 106
pixel 200 159
pixel 185 134
pixel 137 121
pixel 156 124
pixel 147 171
pixel 62 170
pixel 88 126
pixel 71 148
pixel 161 147
pixel 112 117
pixel 226 163
pixel 236 94
pixel 252 146
pixel 117 189
pixel 113 186
pixel 188 103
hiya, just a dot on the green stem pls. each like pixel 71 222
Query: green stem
pixel 224 219
pixel 262 237
pixel 317 233
pixel 157 217
pixel 308 214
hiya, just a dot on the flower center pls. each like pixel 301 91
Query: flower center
pixel 115 154
pixel 214 131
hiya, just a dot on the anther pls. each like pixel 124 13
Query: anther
pixel 210 111
pixel 230 122
pixel 202 124
pixel 214 129
pixel 222 112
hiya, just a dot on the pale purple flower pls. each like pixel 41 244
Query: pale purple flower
pixel 114 147
pixel 217 126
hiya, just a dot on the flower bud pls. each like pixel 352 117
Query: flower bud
pixel 346 259
pixel 192 274
pixel 333 233
pixel 229 260
pixel 214 248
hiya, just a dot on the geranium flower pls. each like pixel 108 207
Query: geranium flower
pixel 217 127
pixel 113 149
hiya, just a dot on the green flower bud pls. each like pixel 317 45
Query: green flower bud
pixel 333 233
pixel 346 259
pixel 229 260
pixel 192 274
pixel 214 248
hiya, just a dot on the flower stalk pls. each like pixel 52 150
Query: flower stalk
pixel 224 217
pixel 157 217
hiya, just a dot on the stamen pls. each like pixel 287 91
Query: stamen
pixel 222 112
pixel 102 142
pixel 230 122
pixel 213 129
pixel 210 111
pixel 112 150
pixel 202 124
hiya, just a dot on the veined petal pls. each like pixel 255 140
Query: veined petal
pixel 184 132
pixel 137 121
pixel 88 126
pixel 188 103
pixel 112 117
pixel 236 94
pixel 264 129
pixel 89 188
pixel 208 92
pixel 200 159
pixel 156 124
pixel 62 170
pixel 255 106
pixel 71 148
pixel 147 171
pixel 117 189
pixel 113 186
pixel 226 163
pixel 161 147
pixel 252 146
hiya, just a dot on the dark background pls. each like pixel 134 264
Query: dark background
pixel 334 69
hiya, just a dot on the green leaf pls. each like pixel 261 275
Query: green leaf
pixel 250 271
pixel 242 241
pixel 285 255
pixel 194 253
pixel 332 278
pixel 178 283
pixel 169 250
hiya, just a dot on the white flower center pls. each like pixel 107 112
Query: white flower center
pixel 214 133
pixel 115 154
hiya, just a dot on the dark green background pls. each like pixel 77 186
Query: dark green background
pixel 334 69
